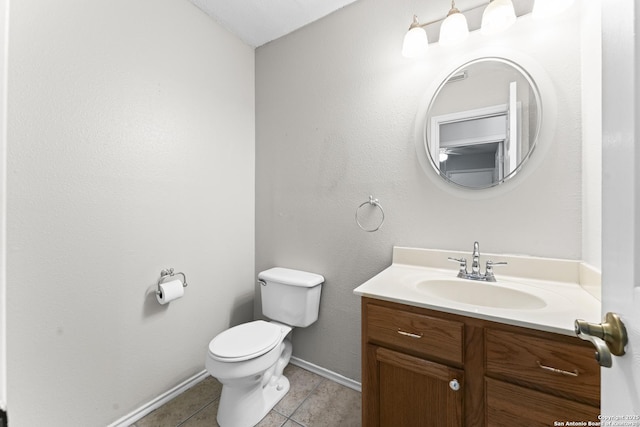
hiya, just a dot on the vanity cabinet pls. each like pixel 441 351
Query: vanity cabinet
pixel 428 368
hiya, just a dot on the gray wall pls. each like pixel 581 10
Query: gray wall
pixel 130 150
pixel 335 117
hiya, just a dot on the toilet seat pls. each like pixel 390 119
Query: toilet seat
pixel 245 341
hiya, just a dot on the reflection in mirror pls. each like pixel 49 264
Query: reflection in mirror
pixel 482 123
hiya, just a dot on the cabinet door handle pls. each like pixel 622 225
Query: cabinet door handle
pixel 573 373
pixel 409 334
pixel 454 385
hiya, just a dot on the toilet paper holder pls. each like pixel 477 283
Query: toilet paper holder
pixel 167 273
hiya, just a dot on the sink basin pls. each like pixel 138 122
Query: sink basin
pixel 481 294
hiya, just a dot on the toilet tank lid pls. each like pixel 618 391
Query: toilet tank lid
pixel 291 277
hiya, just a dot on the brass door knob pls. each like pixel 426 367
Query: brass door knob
pixel 611 331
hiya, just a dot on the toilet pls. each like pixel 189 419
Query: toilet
pixel 249 359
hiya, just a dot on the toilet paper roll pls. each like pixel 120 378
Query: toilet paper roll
pixel 170 291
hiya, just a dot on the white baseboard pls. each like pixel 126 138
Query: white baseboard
pixel 146 409
pixel 326 373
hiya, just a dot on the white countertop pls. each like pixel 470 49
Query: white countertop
pixel 565 299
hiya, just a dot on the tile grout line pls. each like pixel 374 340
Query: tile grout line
pixel 197 412
pixel 289 418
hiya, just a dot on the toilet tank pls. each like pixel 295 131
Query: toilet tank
pixel 290 296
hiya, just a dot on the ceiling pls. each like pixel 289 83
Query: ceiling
pixel 257 22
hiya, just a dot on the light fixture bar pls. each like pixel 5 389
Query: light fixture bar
pixel 464 12
pixel 474 18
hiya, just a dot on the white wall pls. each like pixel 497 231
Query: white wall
pixel 130 149
pixel 4 18
pixel 335 116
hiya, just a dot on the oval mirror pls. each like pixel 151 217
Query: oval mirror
pixel 482 123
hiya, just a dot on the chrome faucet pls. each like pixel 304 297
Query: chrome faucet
pixel 475 266
pixel 475 274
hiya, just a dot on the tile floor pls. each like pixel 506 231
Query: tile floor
pixel 312 401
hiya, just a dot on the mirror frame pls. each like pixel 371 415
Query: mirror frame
pixel 547 107
pixel 429 121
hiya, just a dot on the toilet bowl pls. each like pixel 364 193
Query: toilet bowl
pixel 249 359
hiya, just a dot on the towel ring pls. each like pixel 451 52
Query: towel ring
pixel 373 202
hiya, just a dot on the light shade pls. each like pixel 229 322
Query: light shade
pixel 547 8
pixel 454 29
pixel 415 42
pixel 498 16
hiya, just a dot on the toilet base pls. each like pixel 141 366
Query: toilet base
pixel 245 406
pixel 260 401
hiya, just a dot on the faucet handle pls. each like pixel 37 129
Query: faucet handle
pixel 463 265
pixel 489 272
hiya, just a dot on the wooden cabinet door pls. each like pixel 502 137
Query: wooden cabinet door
pixel 416 392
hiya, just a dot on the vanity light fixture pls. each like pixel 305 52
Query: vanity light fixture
pixel 454 28
pixel 497 17
pixel 415 42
